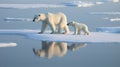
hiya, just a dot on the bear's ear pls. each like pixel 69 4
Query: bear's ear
pixel 39 15
pixel 73 22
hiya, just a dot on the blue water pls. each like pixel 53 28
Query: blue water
pixel 91 55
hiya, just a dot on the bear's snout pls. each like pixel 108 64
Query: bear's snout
pixel 68 24
pixel 33 20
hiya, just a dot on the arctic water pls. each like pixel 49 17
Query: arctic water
pixel 19 51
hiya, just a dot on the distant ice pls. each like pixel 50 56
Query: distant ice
pixel 74 3
pixel 116 1
pixel 79 4
pixel 109 13
pixel 8 44
pixel 116 19
pixel 94 37
pixel 9 19
pixel 99 2
pixel 108 29
pixel 26 6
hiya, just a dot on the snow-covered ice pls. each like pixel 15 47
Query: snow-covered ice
pixel 94 37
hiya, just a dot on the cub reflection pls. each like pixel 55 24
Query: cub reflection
pixel 59 49
pixel 76 46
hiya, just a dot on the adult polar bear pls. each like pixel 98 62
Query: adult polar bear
pixel 53 20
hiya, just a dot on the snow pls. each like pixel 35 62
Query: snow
pixel 94 37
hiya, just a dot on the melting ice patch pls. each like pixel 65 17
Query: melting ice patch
pixel 94 37
pixel 9 19
pixel 8 44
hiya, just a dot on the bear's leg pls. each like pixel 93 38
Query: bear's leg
pixel 59 29
pixel 79 31
pixel 86 31
pixel 66 29
pixel 76 31
pixel 53 27
pixel 44 25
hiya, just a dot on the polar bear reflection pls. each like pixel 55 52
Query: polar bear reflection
pixel 59 49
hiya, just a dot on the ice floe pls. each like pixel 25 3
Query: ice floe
pixel 8 44
pixel 94 37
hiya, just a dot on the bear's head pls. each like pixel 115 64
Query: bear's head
pixel 40 53
pixel 71 23
pixel 40 17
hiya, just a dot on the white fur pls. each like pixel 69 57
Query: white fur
pixel 53 20
pixel 79 27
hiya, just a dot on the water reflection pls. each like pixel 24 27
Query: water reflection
pixel 59 49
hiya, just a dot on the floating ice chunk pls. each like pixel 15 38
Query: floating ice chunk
pixel 114 19
pixel 99 2
pixel 108 29
pixel 117 19
pixel 116 1
pixel 8 44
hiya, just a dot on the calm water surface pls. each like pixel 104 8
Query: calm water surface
pixel 35 53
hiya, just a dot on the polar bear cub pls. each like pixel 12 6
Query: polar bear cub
pixel 79 27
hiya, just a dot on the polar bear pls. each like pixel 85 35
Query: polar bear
pixel 57 20
pixel 79 27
